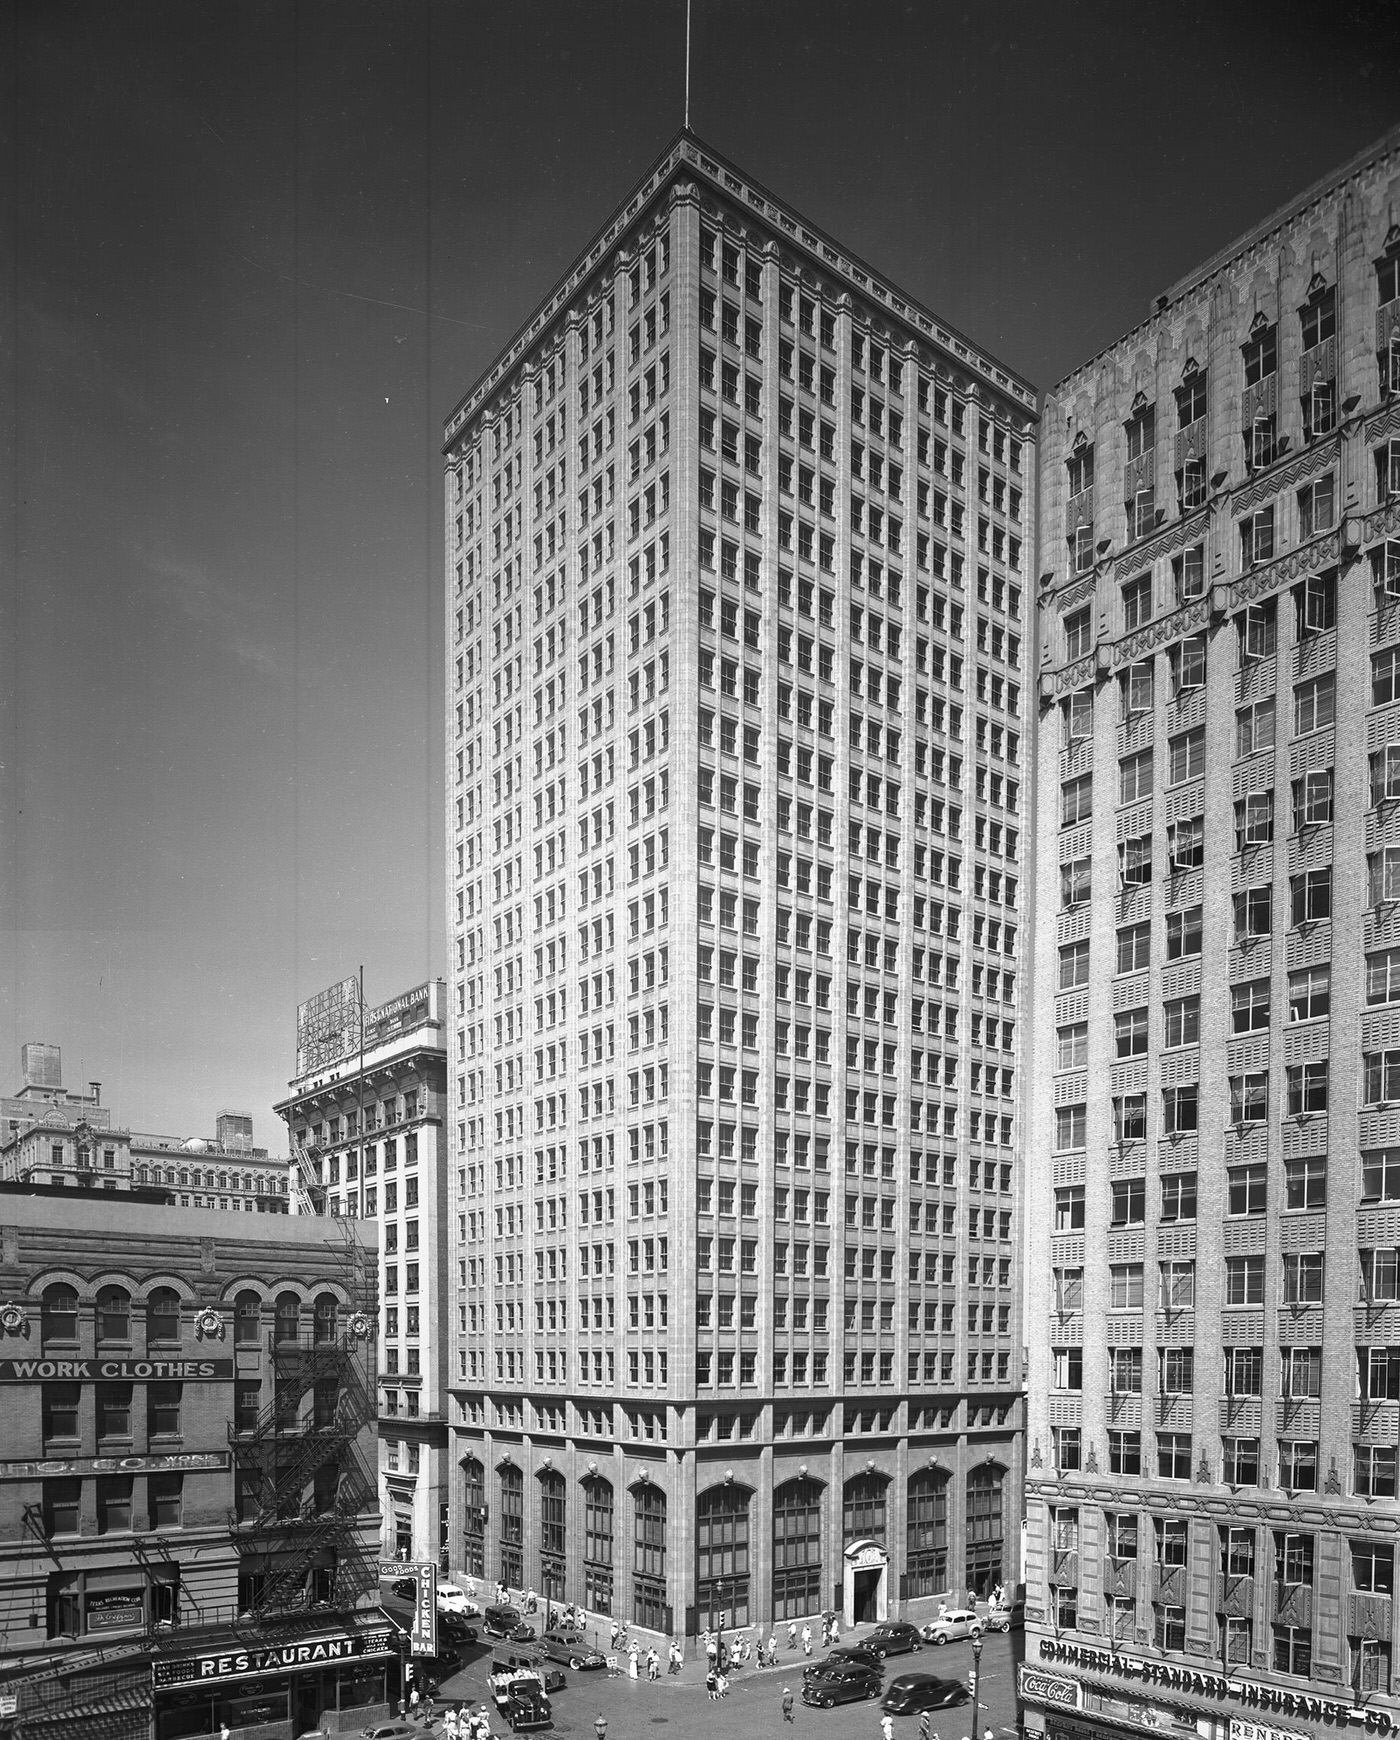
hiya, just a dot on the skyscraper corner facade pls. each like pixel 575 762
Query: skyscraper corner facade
pixel 736 539
pixel 1214 1147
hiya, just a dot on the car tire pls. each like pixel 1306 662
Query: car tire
pixel 940 1637
pixel 914 1648
pixel 874 1692
pixel 575 1663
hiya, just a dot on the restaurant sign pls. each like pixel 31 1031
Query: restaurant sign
pixel 236 1664
pixel 1216 1688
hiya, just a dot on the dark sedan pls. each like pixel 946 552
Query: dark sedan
pixel 894 1637
pixel 843 1685
pixel 573 1648
pixel 911 1692
pixel 840 1657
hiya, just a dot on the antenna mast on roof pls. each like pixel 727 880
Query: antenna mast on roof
pixel 687 65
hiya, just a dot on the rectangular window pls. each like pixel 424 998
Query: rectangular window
pixel 1314 704
pixel 1184 933
pixel 1074 965
pixel 1134 948
pixel 1254 728
pixel 1186 755
pixel 1188 663
pixel 1135 777
pixel 1076 800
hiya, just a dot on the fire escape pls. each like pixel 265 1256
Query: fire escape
pixel 302 1481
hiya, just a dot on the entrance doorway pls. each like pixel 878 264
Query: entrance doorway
pixel 403 1536
pixel 865 1597
pixel 306 1698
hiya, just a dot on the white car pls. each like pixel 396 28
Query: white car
pixel 451 1599
pixel 951 1623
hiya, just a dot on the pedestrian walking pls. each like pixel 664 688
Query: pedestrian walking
pixel 826 1631
pixel 787 1703
pixel 792 1634
pixel 835 1630
pixel 772 1649
pixel 712 1683
pixel 887 1726
pixel 653 1664
pixel 925 1726
pixel 712 1649
pixel 413 1701
pixel 806 1639
pixel 613 1633
pixel 722 1685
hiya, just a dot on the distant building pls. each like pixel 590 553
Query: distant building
pixel 366 1114
pixel 51 1135
pixel 189 1527
pixel 1213 1272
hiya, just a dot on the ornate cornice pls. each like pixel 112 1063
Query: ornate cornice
pixel 1384 523
pixel 1287 476
pixel 1385 423
pixel 1165 543
pixel 1306 559
pixel 1180 623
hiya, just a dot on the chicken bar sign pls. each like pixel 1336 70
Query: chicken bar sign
pixel 238 1664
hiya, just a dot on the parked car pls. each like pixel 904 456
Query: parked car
pixel 457 1629
pixel 912 1692
pixel 894 1637
pixel 406 1588
pixel 392 1731
pixel 838 1658
pixel 450 1599
pixel 507 1622
pixel 1009 1618
pixel 842 1685
pixel 951 1623
pixel 572 1647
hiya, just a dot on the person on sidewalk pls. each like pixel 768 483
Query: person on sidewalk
pixel 887 1726
pixel 712 1684
pixel 925 1726
pixel 653 1663
pixel 787 1703
pixel 792 1634
pixel 806 1639
pixel 835 1630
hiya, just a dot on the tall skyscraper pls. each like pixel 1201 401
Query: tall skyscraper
pixel 736 537
pixel 1214 1149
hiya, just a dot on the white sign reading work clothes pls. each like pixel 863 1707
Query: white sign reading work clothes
pixel 1240 1729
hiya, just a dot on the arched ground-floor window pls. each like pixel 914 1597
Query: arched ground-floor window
pixel 797 1549
pixel 722 1557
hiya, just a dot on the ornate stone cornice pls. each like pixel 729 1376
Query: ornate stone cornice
pixel 1287 476
pixel 1306 559
pixel 1383 523
pixel 1164 543
pixel 1188 620
pixel 1384 424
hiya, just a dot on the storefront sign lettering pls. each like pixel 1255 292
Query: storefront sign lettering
pixel 32 1371
pixel 164 1462
pixel 1215 1687
pixel 1240 1729
pixel 241 1663
pixel 1049 1688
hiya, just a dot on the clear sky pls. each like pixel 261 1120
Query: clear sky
pixel 253 254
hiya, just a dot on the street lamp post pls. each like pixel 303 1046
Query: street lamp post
pixel 976 1680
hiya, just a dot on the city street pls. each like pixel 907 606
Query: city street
pixel 753 1709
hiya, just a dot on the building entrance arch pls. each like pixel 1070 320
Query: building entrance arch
pixel 865 1583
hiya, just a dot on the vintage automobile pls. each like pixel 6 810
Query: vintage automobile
pixel 842 1684
pixel 1012 1617
pixel 572 1647
pixel 952 1623
pixel 912 1692
pixel 854 1652
pixel 894 1637
pixel 519 1694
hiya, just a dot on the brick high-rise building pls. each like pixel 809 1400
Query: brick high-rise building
pixel 736 543
pixel 1214 1152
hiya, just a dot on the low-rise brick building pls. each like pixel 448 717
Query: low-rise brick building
pixel 188 1512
